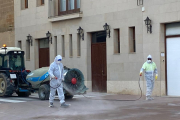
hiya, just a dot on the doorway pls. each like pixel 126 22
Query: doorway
pixel 43 52
pixel 98 62
pixel 173 66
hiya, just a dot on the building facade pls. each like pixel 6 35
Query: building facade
pixel 110 60
pixel 7 23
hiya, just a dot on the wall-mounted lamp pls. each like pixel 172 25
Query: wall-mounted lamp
pixel 29 39
pixel 81 32
pixel 148 23
pixel 106 28
pixel 48 35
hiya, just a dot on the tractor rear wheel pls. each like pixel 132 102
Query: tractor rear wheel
pixel 6 88
pixel 44 91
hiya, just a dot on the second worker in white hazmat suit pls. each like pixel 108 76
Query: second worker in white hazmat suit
pixel 56 81
pixel 150 69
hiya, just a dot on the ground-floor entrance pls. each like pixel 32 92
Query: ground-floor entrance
pixel 173 66
pixel 43 52
pixel 98 62
pixel 172 58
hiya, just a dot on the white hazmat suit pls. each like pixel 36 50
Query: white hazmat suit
pixel 150 69
pixel 56 78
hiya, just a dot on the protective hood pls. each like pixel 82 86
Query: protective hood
pixel 149 56
pixel 57 58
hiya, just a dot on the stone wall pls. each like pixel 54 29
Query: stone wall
pixel 7 22
pixel 6 15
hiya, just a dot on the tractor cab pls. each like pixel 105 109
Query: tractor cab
pixel 11 58
pixel 12 72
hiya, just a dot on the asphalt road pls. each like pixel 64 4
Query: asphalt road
pixel 31 108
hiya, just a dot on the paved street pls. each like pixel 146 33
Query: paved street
pixel 162 108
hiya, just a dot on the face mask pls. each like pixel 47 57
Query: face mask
pixel 58 62
pixel 149 61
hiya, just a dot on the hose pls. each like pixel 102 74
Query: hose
pixel 118 99
pixel 55 87
pixel 110 99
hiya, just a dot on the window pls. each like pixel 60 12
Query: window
pixel 132 41
pixel 19 44
pixel 63 46
pixel 16 62
pixel 44 43
pixel 70 46
pixel 71 5
pixel 68 6
pixel 6 61
pixel 1 59
pixel 24 4
pixel 78 3
pixel 39 2
pixel 78 45
pixel 42 2
pixel 27 50
pixel 116 41
pixel 55 45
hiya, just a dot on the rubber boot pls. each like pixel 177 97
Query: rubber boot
pixel 64 105
pixel 51 104
pixel 148 98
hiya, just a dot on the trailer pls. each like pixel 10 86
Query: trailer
pixel 73 82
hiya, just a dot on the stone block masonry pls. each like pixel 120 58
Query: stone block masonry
pixel 6 15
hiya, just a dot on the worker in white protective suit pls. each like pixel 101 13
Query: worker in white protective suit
pixel 56 81
pixel 150 69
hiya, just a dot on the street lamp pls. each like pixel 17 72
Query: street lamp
pixel 148 23
pixel 106 28
pixel 81 32
pixel 48 35
pixel 29 39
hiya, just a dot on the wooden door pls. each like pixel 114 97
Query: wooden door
pixel 99 68
pixel 43 57
pixel 104 68
pixel 43 53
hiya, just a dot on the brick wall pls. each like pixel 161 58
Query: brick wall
pixel 6 15
pixel 7 23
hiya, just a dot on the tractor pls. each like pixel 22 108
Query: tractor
pixel 15 78
pixel 12 72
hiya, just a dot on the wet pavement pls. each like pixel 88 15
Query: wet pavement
pixel 91 108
